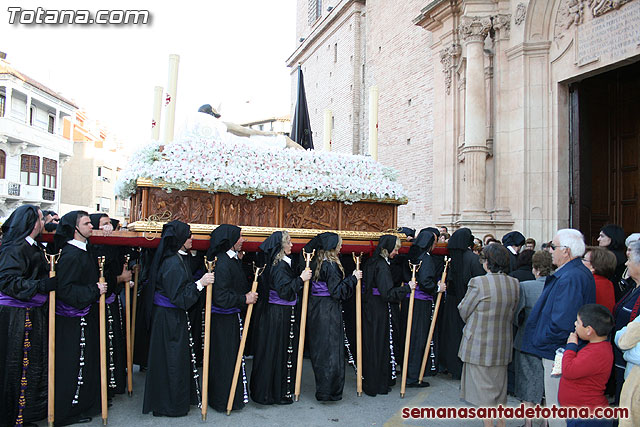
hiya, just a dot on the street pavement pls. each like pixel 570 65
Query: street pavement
pixel 350 411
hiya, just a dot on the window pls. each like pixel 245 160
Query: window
pixel 32 112
pixel 52 122
pixel 2 103
pixel 29 169
pixel 335 52
pixel 3 163
pixel 99 171
pixel 49 173
pixel 315 10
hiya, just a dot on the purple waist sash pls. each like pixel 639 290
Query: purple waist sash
pixel 420 294
pixel 110 299
pixel 38 300
pixel 66 310
pixel 375 291
pixel 320 289
pixel 220 310
pixel 162 301
pixel 274 298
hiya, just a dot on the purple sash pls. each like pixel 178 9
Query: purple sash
pixel 38 300
pixel 220 310
pixel 65 310
pixel 375 291
pixel 162 301
pixel 110 299
pixel 420 294
pixel 274 298
pixel 320 289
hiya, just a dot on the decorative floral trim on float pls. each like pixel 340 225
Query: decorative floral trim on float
pixel 246 168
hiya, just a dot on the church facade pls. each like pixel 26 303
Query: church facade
pixel 499 114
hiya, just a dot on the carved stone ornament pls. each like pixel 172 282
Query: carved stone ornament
pixel 570 13
pixel 448 58
pixel 600 7
pixel 521 13
pixel 502 23
pixel 474 28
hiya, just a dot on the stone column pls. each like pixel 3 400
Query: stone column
pixel 473 31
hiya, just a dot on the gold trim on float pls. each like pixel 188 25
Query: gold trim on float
pixel 146 182
pixel 250 231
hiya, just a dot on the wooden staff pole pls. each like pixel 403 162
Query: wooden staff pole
pixel 243 341
pixel 103 347
pixel 52 343
pixel 134 309
pixel 127 311
pixel 356 259
pixel 303 327
pixel 407 338
pixel 432 328
pixel 210 266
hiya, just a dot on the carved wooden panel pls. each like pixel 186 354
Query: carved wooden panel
pixel 239 210
pixel 367 217
pixel 188 206
pixel 321 215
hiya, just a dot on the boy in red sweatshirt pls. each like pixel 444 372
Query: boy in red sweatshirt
pixel 585 373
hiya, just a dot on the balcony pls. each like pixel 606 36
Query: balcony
pixel 19 133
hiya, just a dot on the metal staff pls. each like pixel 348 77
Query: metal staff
pixel 407 338
pixel 53 259
pixel 303 326
pixel 127 311
pixel 134 308
pixel 210 266
pixel 103 347
pixel 356 259
pixel 243 341
pixel 433 323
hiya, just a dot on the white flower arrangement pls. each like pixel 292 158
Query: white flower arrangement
pixel 247 168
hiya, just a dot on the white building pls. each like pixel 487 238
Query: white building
pixel 32 149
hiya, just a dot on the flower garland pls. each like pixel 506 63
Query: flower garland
pixel 247 168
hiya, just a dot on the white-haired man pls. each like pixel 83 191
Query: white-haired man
pixel 552 319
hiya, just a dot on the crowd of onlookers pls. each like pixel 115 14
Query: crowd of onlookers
pixel 556 326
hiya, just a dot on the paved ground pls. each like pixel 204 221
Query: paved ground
pixel 351 411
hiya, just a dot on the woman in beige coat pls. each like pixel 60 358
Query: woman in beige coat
pixel 487 338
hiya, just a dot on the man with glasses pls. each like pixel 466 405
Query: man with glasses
pixel 552 319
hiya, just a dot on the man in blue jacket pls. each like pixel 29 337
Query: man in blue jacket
pixel 552 318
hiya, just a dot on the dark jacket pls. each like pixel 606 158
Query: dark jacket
pixel 552 318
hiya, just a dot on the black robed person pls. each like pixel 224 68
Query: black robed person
pixel 231 293
pixel 24 285
pixel 326 336
pixel 513 241
pixel 464 266
pixel 77 322
pixel 274 363
pixel 378 363
pixel 172 377
pixel 426 289
pixel 115 274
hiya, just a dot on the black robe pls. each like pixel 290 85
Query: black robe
pixel 468 266
pixel 141 343
pixel 77 273
pixel 378 364
pixel 172 383
pixel 326 332
pixel 229 292
pixel 421 320
pixel 276 346
pixel 195 265
pixel 22 268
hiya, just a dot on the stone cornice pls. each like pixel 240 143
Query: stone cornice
pixel 541 47
pixel 435 13
pixel 474 28
pixel 326 24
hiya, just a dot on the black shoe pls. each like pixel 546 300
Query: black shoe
pixel 28 424
pixel 418 385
